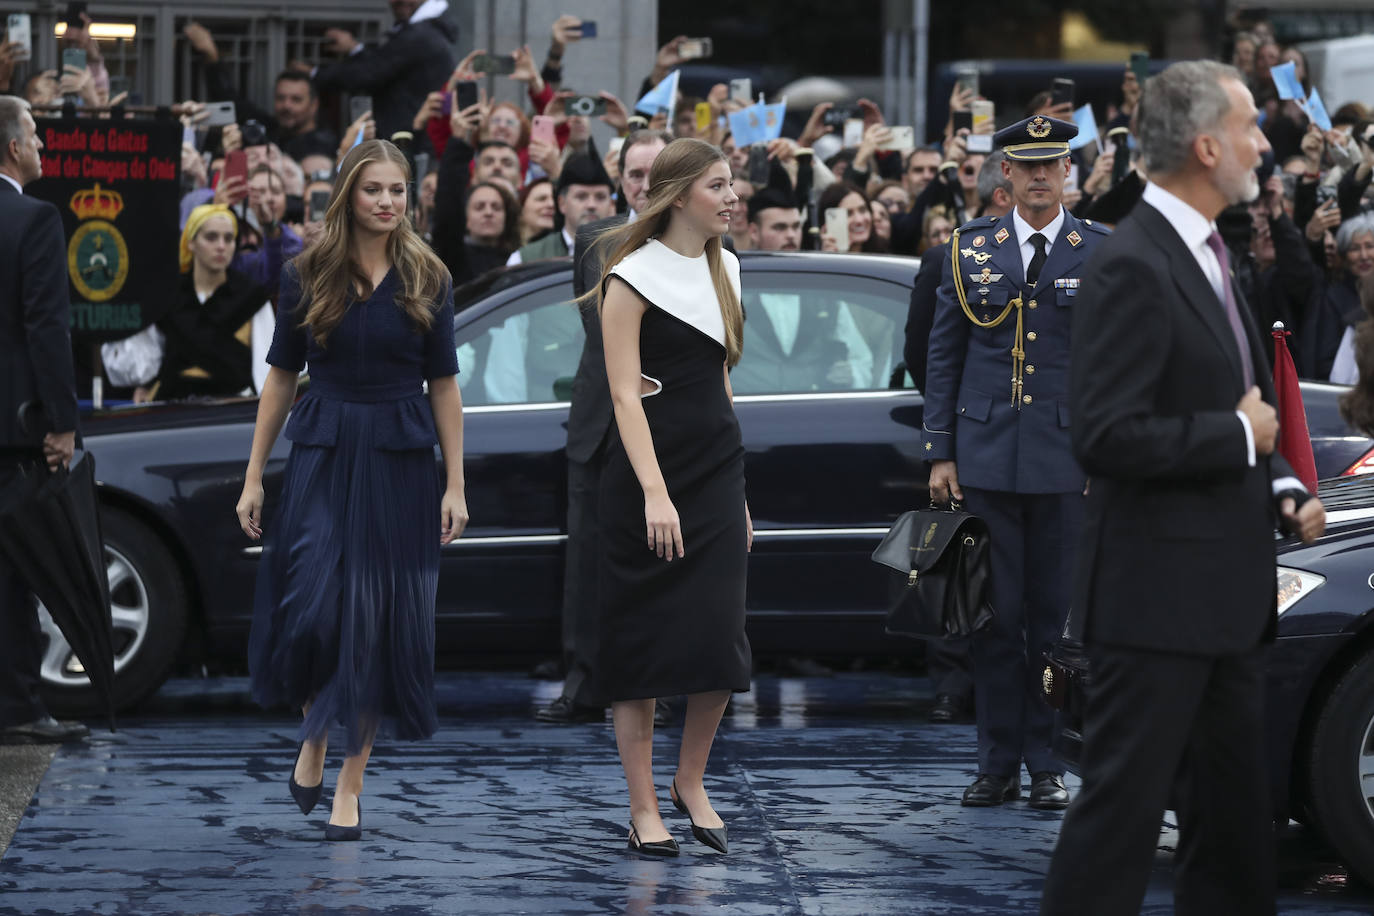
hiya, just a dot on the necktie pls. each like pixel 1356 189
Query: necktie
pixel 1037 260
pixel 1232 312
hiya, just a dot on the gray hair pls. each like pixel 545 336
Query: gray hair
pixel 1362 224
pixel 990 177
pixel 12 110
pixel 1178 105
pixel 643 135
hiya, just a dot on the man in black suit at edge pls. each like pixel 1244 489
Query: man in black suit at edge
pixel 1172 419
pixel 36 380
pixel 589 420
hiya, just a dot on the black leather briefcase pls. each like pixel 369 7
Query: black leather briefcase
pixel 941 565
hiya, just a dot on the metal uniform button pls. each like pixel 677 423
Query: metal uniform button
pixel 985 302
pixel 1025 399
pixel 1030 370
pixel 1034 304
pixel 1030 336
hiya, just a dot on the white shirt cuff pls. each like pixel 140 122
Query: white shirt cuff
pixel 1288 483
pixel 356 49
pixel 1249 438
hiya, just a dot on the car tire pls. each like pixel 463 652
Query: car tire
pixel 1342 749
pixel 148 599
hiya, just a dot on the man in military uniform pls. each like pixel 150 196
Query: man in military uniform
pixel 996 432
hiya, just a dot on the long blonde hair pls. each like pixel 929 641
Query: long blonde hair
pixel 331 279
pixel 671 177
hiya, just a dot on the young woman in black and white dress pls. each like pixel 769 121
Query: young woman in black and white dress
pixel 676 529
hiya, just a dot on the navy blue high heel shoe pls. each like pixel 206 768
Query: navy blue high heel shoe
pixel 306 796
pixel 336 833
pixel 711 836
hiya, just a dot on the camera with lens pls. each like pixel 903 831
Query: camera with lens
pixel 836 116
pixel 254 133
pixel 584 106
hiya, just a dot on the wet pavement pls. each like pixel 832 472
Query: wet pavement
pixel 839 797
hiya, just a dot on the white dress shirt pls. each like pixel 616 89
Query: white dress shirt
pixel 1194 229
pixel 17 186
pixel 1024 231
pixel 516 259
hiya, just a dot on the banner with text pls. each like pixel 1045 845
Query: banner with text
pixel 118 187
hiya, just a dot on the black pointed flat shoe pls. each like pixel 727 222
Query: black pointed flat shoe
pixel 306 796
pixel 662 849
pixel 711 836
pixel 336 833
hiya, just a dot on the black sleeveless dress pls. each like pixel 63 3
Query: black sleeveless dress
pixel 676 628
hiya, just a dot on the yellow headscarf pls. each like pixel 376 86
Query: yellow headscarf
pixel 193 223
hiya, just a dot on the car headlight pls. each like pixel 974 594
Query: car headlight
pixel 1295 585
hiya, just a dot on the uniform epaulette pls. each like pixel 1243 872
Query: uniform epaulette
pixel 1099 228
pixel 980 222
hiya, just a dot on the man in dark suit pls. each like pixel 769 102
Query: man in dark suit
pixel 416 58
pixel 37 400
pixel 948 661
pixel 1172 419
pixel 1009 288
pixel 589 420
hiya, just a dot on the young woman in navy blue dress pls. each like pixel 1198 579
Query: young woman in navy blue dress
pixel 675 525
pixel 343 625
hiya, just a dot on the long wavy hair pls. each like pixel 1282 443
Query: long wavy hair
pixel 671 177
pixel 331 279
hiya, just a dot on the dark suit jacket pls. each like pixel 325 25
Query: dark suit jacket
pixel 398 74
pixel 920 316
pixel 589 417
pixel 1178 546
pixel 35 321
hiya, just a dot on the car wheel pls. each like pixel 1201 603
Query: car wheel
pixel 1341 768
pixel 148 611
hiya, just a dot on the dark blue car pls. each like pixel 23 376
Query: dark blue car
pixel 830 423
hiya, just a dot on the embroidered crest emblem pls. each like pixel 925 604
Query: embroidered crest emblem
pixel 1002 235
pixel 1039 128
pixel 1074 239
pixel 978 242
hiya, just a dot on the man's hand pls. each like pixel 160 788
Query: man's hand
pixel 58 448
pixel 1324 219
pixel 1264 420
pixel 463 125
pixel 1100 179
pixel 1309 522
pixel 1130 92
pixel 566 29
pixel 668 58
pixel 231 190
pixel 201 39
pixel 1313 144
pixel 1271 198
pixel 433 105
pixel 815 125
pixel 944 482
pixel 341 41
pixel 617 114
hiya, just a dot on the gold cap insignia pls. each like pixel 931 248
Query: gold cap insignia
pixel 1074 239
pixel 1002 235
pixel 1039 128
pixel 978 242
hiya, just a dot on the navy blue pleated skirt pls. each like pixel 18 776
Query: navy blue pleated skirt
pixel 344 611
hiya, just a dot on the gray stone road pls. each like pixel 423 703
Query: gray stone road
pixel 21 769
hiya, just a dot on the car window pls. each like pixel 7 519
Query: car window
pixel 813 332
pixel 524 352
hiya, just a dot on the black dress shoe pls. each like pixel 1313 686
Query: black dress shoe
pixel 1048 793
pixel 659 848
pixel 46 730
pixel 989 791
pixel 563 711
pixel 663 713
pixel 336 833
pixel 711 836
pixel 948 707
pixel 306 796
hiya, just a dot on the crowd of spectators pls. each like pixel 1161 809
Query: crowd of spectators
pixel 501 183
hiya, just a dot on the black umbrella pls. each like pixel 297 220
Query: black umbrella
pixel 50 531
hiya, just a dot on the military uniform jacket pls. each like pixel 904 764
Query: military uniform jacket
pixel 970 417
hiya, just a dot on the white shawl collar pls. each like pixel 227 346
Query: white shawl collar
pixel 678 285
